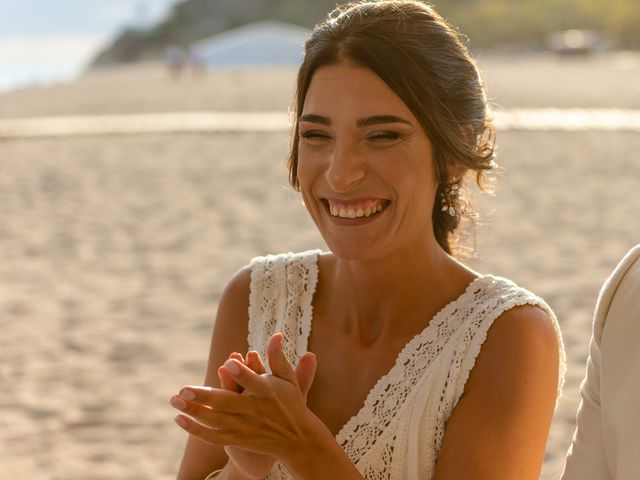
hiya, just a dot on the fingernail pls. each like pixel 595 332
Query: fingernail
pixel 181 421
pixel 188 394
pixel 232 366
pixel 279 341
pixel 178 402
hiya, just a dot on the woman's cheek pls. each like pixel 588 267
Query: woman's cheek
pixel 309 166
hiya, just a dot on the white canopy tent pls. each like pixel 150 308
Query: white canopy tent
pixel 261 43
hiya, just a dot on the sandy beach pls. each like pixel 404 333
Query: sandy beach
pixel 114 249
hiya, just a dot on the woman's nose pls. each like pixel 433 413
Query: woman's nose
pixel 345 168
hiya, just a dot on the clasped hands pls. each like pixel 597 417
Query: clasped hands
pixel 258 417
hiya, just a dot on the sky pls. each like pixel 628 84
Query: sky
pixel 49 40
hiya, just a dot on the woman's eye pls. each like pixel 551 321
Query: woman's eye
pixel 384 136
pixel 314 134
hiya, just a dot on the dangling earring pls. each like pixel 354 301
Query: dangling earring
pixel 448 197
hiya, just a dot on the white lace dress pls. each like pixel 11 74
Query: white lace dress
pixel 398 432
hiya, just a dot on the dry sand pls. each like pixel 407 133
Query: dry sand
pixel 114 250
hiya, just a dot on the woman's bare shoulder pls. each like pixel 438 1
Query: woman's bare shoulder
pixel 522 346
pixel 508 401
pixel 231 324
pixel 235 296
pixel 524 323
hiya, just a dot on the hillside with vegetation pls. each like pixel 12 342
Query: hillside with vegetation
pixel 522 24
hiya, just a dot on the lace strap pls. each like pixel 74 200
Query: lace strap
pixel 281 292
pixel 506 295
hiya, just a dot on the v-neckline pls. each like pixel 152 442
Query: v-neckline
pixel 427 332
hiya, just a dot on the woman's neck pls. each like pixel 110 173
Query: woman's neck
pixel 377 298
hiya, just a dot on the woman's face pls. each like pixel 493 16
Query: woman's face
pixel 365 165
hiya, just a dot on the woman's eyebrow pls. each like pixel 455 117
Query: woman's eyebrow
pixel 361 122
pixel 379 119
pixel 313 118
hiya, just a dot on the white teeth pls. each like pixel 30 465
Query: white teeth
pixel 357 213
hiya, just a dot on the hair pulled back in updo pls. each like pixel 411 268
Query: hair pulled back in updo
pixel 424 61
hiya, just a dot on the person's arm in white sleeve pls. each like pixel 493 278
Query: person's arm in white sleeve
pixel 592 455
pixel 586 458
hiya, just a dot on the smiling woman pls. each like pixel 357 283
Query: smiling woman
pixel 386 357
pixel 449 103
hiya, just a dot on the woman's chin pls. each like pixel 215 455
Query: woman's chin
pixel 353 250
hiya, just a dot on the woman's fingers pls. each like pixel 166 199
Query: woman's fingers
pixel 217 415
pixel 254 362
pixel 306 372
pixel 213 436
pixel 302 376
pixel 246 378
pixel 280 366
pixel 227 382
pixel 237 356
pixel 193 399
pixel 229 436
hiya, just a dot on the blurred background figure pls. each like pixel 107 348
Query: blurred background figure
pixel 177 60
pixel 126 201
pixel 196 62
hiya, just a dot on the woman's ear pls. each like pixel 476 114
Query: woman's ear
pixel 456 172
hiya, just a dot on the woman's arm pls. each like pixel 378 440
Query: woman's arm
pixel 229 335
pixel 499 428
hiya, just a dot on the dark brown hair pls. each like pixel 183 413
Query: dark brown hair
pixel 424 61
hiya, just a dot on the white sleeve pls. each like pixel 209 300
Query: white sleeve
pixel 586 456
pixel 593 455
